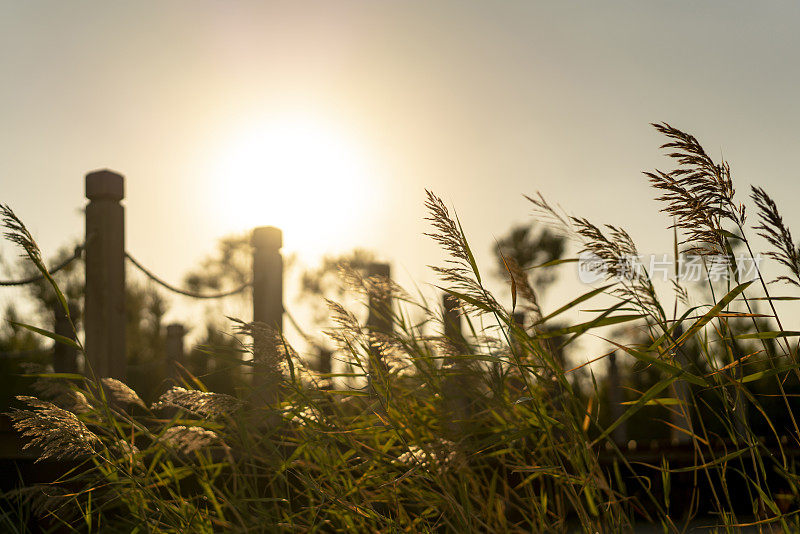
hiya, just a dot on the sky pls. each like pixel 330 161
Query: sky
pixel 480 102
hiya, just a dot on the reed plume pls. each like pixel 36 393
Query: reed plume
pixel 17 233
pixel 773 229
pixel 187 439
pixel 120 393
pixel 58 432
pixel 699 193
pixel 462 272
pixel 615 248
pixel 203 403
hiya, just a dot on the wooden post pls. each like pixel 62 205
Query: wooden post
pixel 681 418
pixel 175 349
pixel 452 320
pixel 325 367
pixel 267 308
pixel 65 357
pixel 518 319
pixel 268 277
pixel 458 377
pixel 380 303
pixel 325 361
pixel 105 275
pixel 379 320
pixel 619 434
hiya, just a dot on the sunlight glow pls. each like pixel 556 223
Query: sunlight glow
pixel 299 174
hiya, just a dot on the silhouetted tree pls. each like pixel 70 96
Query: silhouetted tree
pixel 231 266
pixel 528 246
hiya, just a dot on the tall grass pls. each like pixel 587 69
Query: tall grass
pixel 488 430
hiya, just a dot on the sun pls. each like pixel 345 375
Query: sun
pixel 300 174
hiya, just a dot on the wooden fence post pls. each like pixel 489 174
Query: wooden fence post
pixel 518 318
pixel 680 415
pixel 380 303
pixel 65 357
pixel 325 367
pixel 619 434
pixel 452 320
pixel 267 304
pixel 268 276
pixel 379 320
pixel 105 275
pixel 325 361
pixel 175 349
pixel 458 379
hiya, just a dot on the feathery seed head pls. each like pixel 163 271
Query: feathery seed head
pixel 777 234
pixel 58 432
pixel 203 403
pixel 189 439
pixel 120 393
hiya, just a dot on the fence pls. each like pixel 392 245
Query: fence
pixel 104 254
pixel 105 257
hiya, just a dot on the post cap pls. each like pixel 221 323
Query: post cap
pixel 105 184
pixel 267 237
pixel 379 269
pixel 175 330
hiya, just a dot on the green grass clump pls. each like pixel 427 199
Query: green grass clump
pixel 486 427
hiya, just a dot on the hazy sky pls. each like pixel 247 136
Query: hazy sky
pixel 480 102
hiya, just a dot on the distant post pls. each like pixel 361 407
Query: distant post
pixel 267 303
pixel 268 276
pixel 457 381
pixel 619 434
pixel 325 367
pixel 379 320
pixel 681 418
pixel 105 275
pixel 325 361
pixel 380 302
pixel 65 357
pixel 518 318
pixel 452 320
pixel 175 349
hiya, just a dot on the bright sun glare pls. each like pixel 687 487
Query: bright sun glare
pixel 301 175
